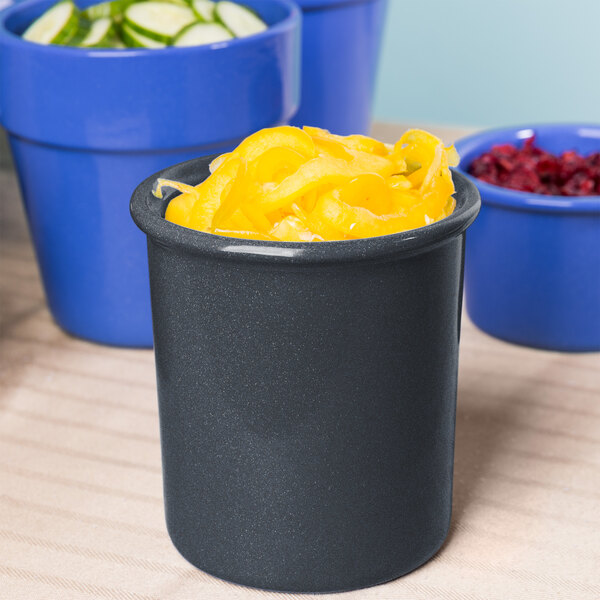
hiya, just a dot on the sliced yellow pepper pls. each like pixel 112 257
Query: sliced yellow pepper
pixel 405 200
pixel 277 163
pixel 215 164
pixel 289 184
pixel 417 146
pixel 180 209
pixel 257 218
pixel 368 190
pixel 453 158
pixel 361 143
pixel 313 174
pixel 238 221
pixel 184 188
pixel 232 196
pixel 241 233
pixel 261 141
pixel 437 186
pixel 399 182
pixel 211 191
pixel 373 163
pixel 292 229
pixel 331 147
pixel 367 144
pixel 356 221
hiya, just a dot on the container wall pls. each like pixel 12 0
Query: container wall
pixel 307 412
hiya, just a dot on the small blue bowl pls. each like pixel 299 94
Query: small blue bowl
pixel 341 40
pixel 86 126
pixel 532 268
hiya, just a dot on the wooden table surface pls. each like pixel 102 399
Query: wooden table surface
pixel 81 513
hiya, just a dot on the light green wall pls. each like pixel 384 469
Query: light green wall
pixel 490 62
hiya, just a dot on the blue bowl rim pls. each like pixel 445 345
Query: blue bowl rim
pixel 515 199
pixel 310 5
pixel 291 21
pixel 148 213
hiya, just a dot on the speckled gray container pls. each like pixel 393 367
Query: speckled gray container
pixel 307 396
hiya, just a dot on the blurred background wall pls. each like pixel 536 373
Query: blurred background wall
pixel 490 62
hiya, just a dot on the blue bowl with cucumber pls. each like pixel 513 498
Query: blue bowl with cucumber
pixel 95 99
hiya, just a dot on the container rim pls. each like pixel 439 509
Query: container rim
pixel 474 145
pixel 8 37
pixel 148 213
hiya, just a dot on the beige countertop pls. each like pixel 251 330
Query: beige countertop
pixel 81 513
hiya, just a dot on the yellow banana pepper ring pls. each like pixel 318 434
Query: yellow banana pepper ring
pixel 293 229
pixel 370 191
pixel 355 142
pixel 331 147
pixel 215 164
pixel 277 163
pixel 261 141
pixel 180 209
pixel 356 221
pixel 437 186
pixel 244 234
pixel 232 198
pixel 211 191
pixel 367 144
pixel 184 188
pixel 313 174
pixel 309 185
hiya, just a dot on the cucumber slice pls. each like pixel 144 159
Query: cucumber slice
pixel 133 39
pixel 83 28
pixel 113 9
pixel 56 26
pixel 116 44
pixel 200 34
pixel 177 2
pixel 100 34
pixel 159 21
pixel 241 21
pixel 204 9
pixel 102 10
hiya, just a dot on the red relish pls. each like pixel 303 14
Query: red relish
pixel 531 169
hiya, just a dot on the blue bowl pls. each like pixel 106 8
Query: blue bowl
pixel 86 126
pixel 532 269
pixel 340 50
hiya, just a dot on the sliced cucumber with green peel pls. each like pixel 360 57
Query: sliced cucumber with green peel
pixel 144 23
pixel 160 21
pixel 133 39
pixel 100 34
pixel 113 9
pixel 56 26
pixel 241 21
pixel 102 10
pixel 177 2
pixel 204 9
pixel 117 44
pixel 200 34
pixel 83 28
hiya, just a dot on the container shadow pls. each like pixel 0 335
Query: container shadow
pixel 484 424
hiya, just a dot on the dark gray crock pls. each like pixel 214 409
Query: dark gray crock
pixel 307 396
